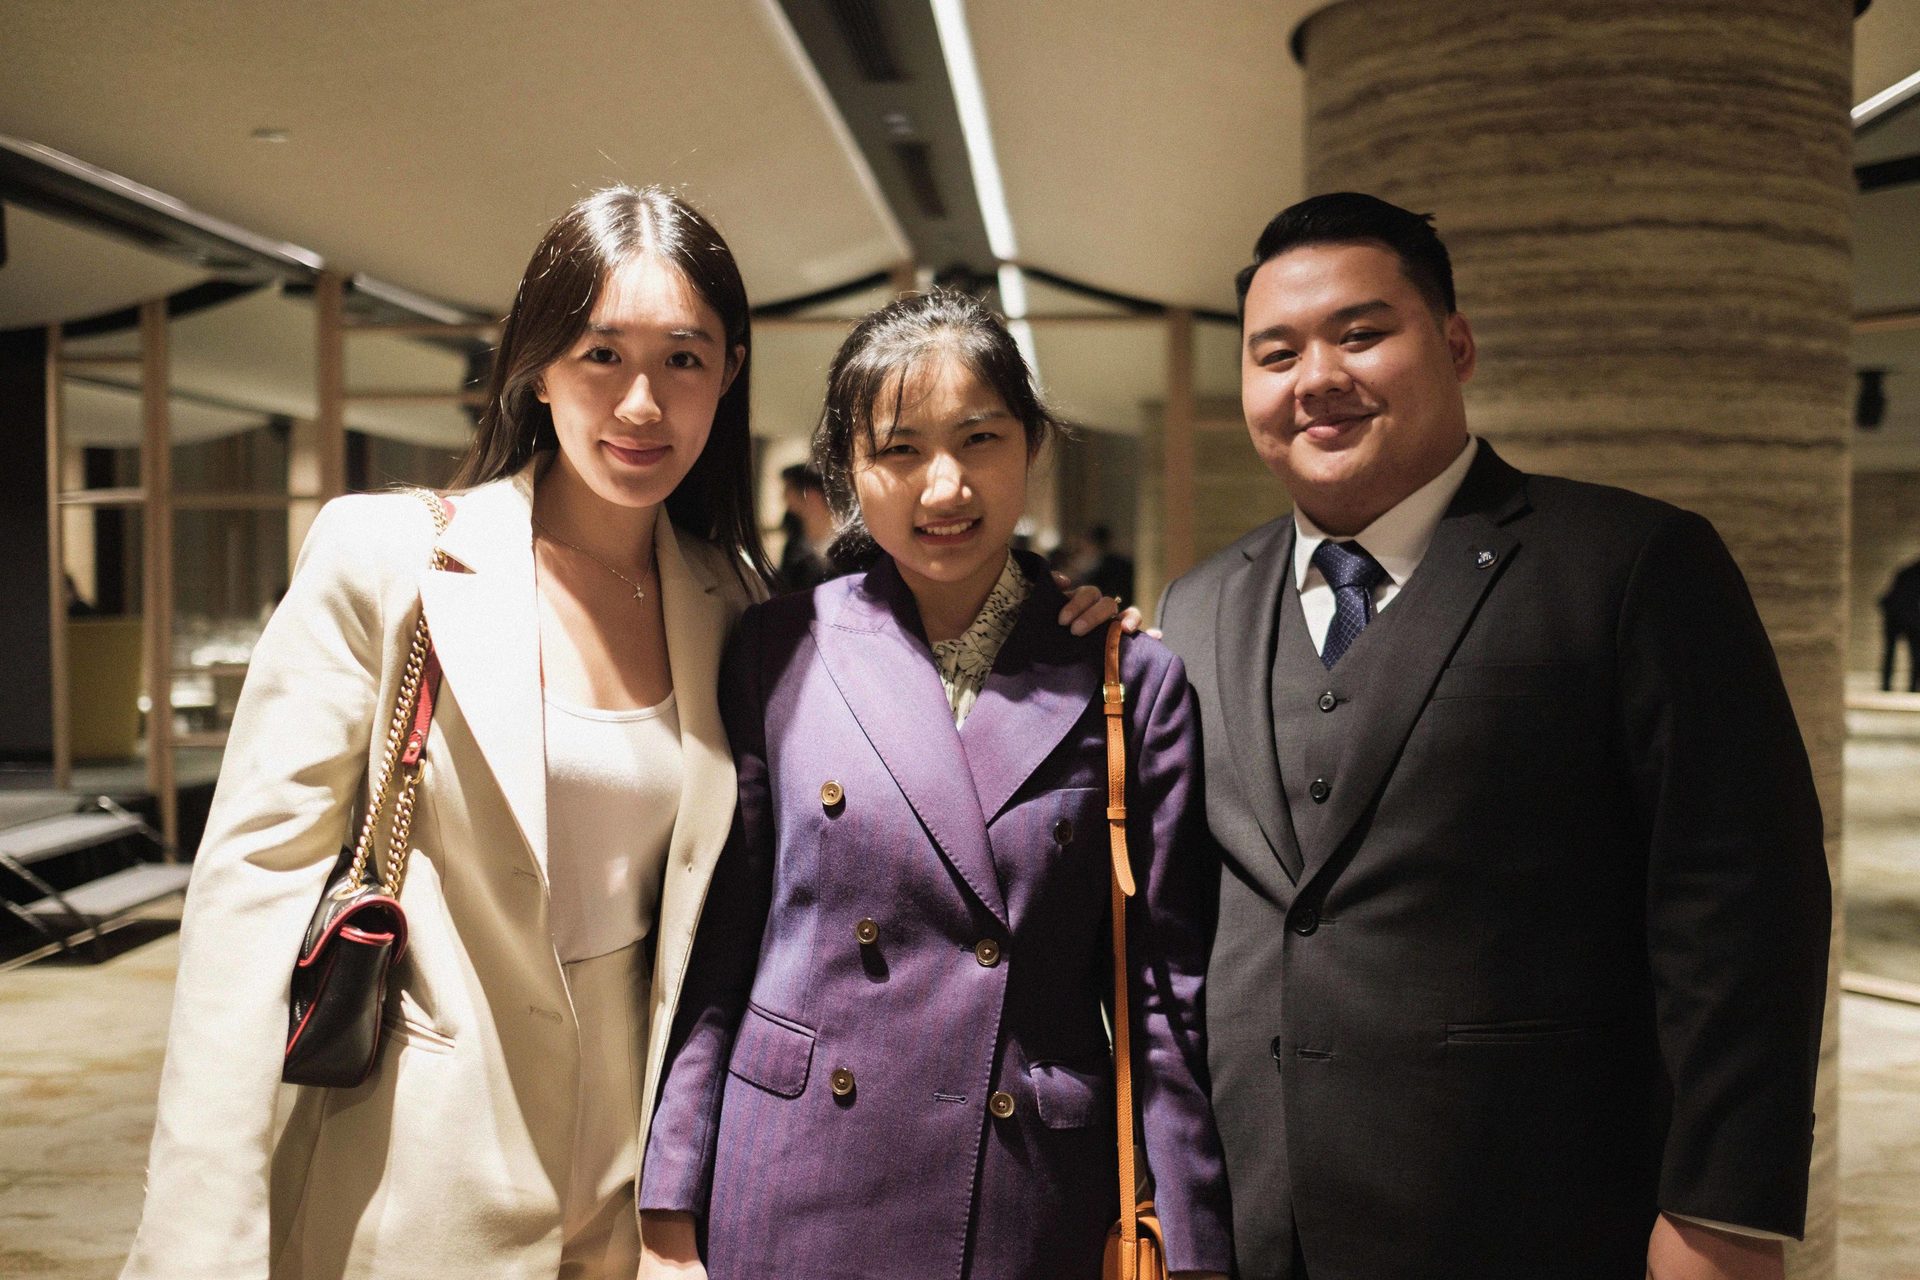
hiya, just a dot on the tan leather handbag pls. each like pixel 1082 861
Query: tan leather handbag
pixel 1135 1249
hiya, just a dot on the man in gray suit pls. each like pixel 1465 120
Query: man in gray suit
pixel 1523 918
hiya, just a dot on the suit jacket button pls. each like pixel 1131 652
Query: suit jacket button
pixel 1319 790
pixel 867 932
pixel 1306 920
pixel 831 794
pixel 1328 702
pixel 987 952
pixel 841 1082
pixel 1063 832
pixel 1001 1104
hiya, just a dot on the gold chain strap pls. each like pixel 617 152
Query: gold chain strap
pixel 405 703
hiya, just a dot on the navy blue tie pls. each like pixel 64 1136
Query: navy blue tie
pixel 1352 574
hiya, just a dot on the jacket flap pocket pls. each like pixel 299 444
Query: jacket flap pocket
pixel 772 1053
pixel 1527 1031
pixel 1067 1097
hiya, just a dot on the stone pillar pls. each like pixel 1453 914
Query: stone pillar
pixel 1648 204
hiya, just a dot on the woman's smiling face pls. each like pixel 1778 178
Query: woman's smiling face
pixel 944 481
pixel 633 398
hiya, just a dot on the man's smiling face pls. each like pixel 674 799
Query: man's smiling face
pixel 1349 382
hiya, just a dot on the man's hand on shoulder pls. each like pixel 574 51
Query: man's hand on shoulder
pixel 1681 1250
pixel 1086 608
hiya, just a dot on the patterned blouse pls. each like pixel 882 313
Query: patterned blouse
pixel 965 661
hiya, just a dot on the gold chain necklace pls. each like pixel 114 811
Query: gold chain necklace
pixel 639 592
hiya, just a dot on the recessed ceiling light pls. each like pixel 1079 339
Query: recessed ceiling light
pixel 268 134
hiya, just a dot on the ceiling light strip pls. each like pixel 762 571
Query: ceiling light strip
pixel 956 47
pixel 1886 100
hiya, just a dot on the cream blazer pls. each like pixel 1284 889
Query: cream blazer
pixel 452 1159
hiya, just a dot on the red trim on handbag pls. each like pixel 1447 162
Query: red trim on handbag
pixel 342 924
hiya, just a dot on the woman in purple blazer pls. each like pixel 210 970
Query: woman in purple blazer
pixel 890 1059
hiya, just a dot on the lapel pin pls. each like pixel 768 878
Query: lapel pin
pixel 1484 559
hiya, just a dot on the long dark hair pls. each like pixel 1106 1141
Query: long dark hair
pixel 877 359
pixel 556 298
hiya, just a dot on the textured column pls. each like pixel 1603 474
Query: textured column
pixel 1648 204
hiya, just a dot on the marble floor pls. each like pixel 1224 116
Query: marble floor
pixel 80 1057
pixel 80 1050
pixel 1881 865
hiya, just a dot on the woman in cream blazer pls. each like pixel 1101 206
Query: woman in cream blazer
pixel 460 1154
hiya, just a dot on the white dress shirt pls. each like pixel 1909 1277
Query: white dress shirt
pixel 1398 540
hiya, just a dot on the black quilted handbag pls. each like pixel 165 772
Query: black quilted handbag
pixel 358 931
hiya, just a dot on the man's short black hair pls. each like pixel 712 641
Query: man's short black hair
pixel 1348 217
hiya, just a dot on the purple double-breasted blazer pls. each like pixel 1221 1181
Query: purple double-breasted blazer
pixel 908 930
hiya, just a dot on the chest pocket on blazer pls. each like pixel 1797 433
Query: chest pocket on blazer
pixel 772 1053
pixel 1512 680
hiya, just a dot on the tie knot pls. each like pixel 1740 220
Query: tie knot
pixel 1347 564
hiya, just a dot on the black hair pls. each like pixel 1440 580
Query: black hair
pixel 550 311
pixel 877 359
pixel 1349 217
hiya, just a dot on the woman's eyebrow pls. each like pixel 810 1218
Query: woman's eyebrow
pixel 678 335
pixel 975 419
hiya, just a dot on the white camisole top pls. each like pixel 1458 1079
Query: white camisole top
pixel 613 788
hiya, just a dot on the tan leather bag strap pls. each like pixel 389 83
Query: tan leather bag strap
pixel 1114 694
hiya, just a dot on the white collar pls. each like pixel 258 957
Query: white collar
pixel 1398 539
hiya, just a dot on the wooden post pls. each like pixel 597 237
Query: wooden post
pixel 330 370
pixel 156 478
pixel 1176 517
pixel 905 277
pixel 57 574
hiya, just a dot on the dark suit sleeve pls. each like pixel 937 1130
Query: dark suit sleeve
pixel 678 1170
pixel 1738 906
pixel 1169 931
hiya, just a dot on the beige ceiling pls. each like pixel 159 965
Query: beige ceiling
pixel 256 354
pixel 1193 113
pixel 1886 46
pixel 56 271
pixel 430 141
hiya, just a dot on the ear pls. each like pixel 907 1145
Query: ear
pixel 540 389
pixel 1460 346
pixel 736 358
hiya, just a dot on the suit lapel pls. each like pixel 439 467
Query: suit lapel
pixel 1424 624
pixel 1042 682
pixel 484 620
pixel 877 656
pixel 1245 627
